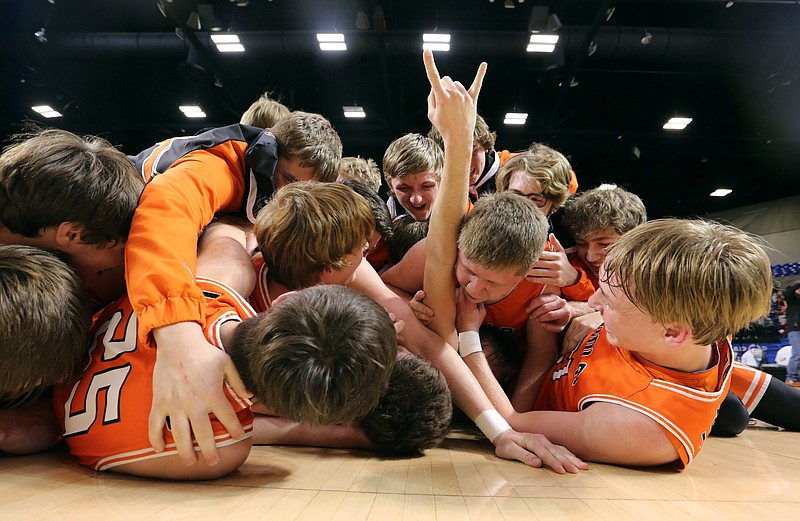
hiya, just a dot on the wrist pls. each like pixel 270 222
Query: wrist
pixel 469 342
pixel 492 424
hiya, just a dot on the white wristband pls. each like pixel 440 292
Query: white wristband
pixel 491 424
pixel 469 342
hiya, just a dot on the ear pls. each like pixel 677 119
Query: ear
pixel 280 298
pixel 68 233
pixel 675 334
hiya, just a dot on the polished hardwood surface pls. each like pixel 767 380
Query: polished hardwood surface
pixel 753 476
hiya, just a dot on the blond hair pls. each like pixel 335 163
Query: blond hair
pixel 307 227
pixel 504 232
pixel 542 164
pixel 264 112
pixel 412 154
pixel 361 169
pixel 703 274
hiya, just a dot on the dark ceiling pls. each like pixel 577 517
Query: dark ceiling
pixel 120 68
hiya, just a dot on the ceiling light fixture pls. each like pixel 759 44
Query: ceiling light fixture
pixel 647 37
pixel 354 111
pixel 331 42
pixel 509 4
pixel 436 41
pixel 47 111
pixel 192 111
pixel 541 42
pixel 515 118
pixel 677 123
pixel 227 42
pixel 720 192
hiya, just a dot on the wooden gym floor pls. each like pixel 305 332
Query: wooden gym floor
pixel 753 476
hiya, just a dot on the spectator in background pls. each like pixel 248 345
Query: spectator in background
pixel 792 296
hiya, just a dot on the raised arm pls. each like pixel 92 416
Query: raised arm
pixel 452 110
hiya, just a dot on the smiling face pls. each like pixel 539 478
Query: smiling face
pixel 528 187
pixel 626 325
pixel 592 249
pixel 416 193
pixel 484 286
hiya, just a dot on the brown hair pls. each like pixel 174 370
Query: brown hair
pixel 407 231
pixel 53 176
pixel 413 413
pixel 44 321
pixel 322 356
pixel 311 138
pixel 309 226
pixel 481 135
pixel 601 208
pixel 383 222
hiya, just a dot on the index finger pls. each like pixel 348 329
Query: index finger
pixel 477 83
pixel 431 71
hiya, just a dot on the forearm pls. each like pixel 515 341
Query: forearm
pixel 29 428
pixel 161 253
pixel 602 432
pixel 274 430
pixel 540 353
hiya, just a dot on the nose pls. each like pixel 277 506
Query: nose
pixel 596 301
pixel 595 254
pixel 416 198
pixel 476 287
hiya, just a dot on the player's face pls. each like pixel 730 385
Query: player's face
pixel 346 275
pixel 530 188
pixel 592 249
pixel 416 193
pixel 290 170
pixel 626 325
pixel 477 163
pixel 484 286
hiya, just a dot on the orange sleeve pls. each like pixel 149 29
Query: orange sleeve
pixel 581 290
pixel 161 252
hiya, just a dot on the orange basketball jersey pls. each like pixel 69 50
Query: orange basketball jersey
pixel 104 413
pixel 749 384
pixel 684 405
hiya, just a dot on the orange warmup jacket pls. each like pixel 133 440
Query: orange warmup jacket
pixel 224 170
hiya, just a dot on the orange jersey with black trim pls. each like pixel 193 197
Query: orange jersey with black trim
pixel 684 405
pixel 104 413
pixel 260 298
pixel 224 170
pixel 749 384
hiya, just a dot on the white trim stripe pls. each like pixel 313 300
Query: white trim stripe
pixel 223 440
